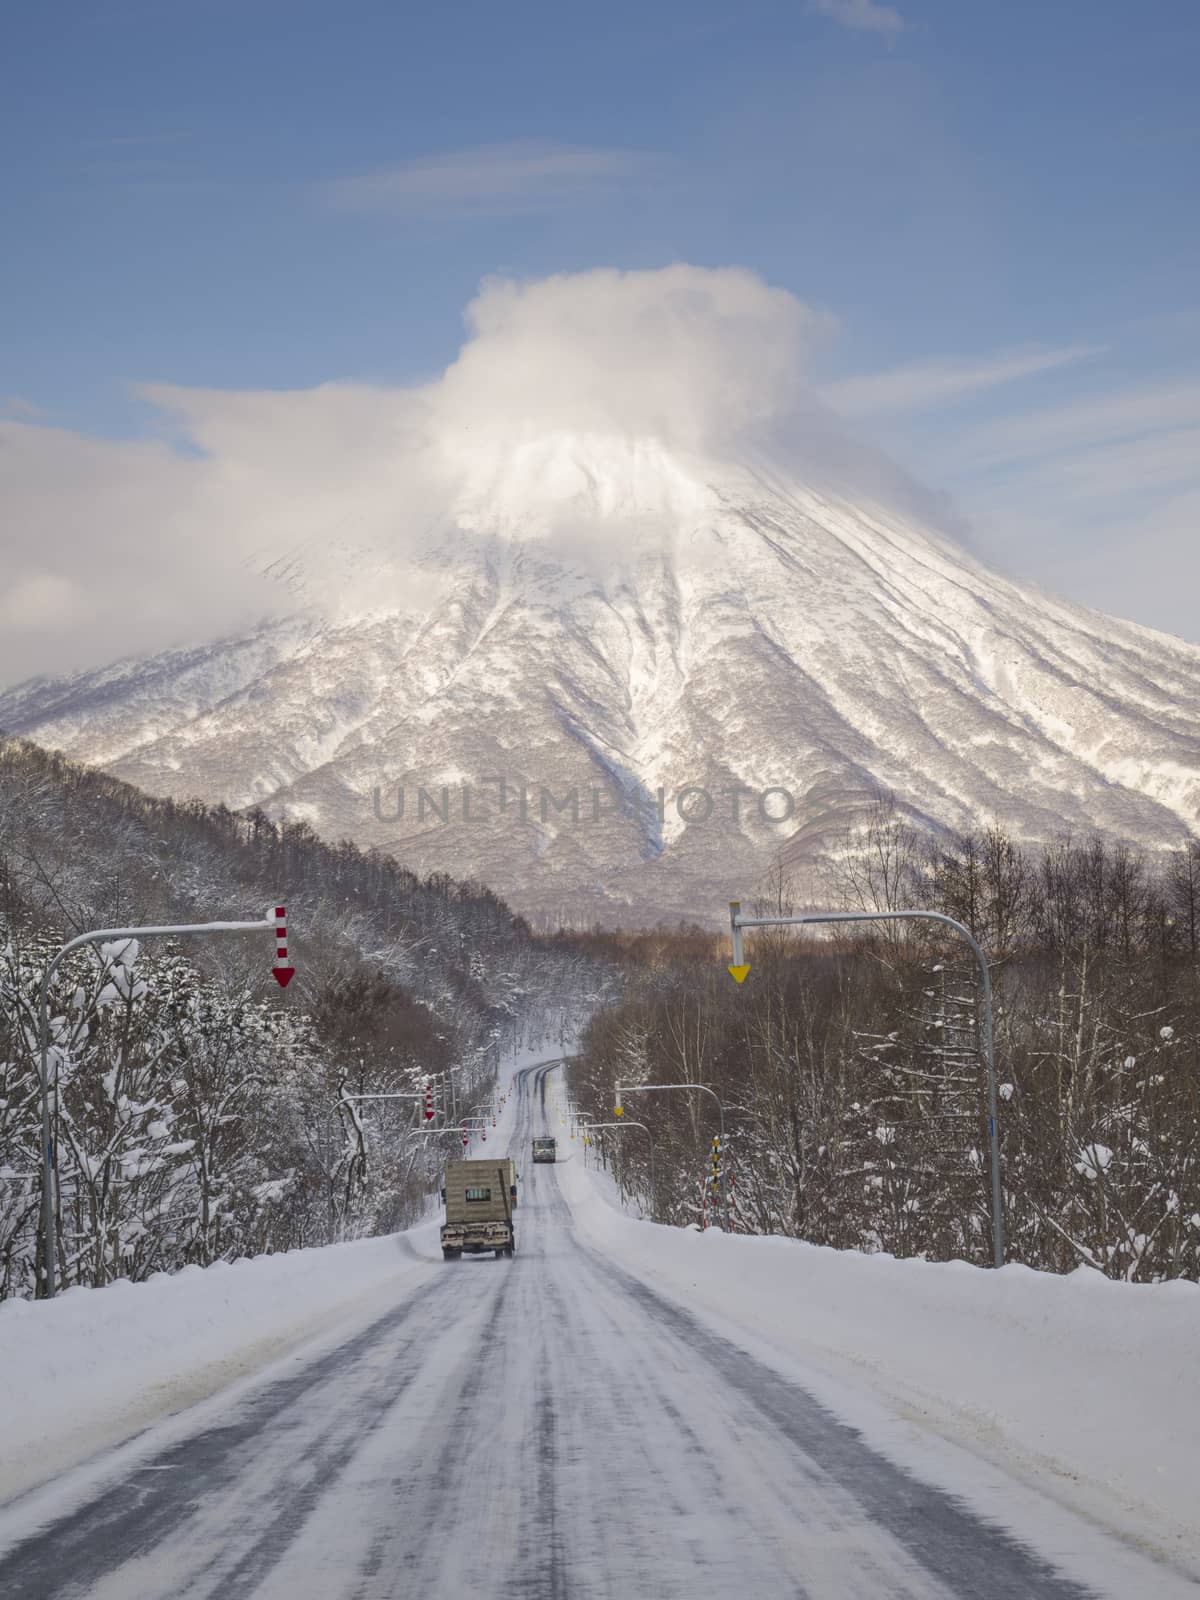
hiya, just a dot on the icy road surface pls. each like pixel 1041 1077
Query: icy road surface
pixel 545 1427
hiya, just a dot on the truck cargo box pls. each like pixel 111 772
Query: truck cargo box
pixel 480 1199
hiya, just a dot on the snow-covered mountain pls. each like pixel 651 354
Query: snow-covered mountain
pixel 724 630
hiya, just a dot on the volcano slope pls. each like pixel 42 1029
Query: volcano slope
pixel 618 651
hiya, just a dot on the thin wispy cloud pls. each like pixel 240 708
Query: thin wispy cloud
pixel 1098 494
pixel 1074 473
pixel 1121 415
pixel 511 179
pixel 922 384
pixel 1151 464
pixel 864 16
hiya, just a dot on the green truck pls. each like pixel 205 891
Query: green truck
pixel 480 1197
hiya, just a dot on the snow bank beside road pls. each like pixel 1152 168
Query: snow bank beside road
pixel 1086 1388
pixel 95 1366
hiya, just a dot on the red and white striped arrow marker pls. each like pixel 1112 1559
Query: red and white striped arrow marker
pixel 466 1138
pixel 428 1099
pixel 282 973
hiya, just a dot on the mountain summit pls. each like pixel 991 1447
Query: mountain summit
pixel 610 637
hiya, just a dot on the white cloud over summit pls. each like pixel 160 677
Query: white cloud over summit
pixel 115 547
pixel 689 355
pixel 581 410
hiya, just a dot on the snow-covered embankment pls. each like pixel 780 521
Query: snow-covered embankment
pixel 96 1366
pixel 1086 1389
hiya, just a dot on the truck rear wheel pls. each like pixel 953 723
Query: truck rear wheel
pixel 449 1254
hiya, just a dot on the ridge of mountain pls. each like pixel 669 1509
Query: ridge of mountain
pixel 609 620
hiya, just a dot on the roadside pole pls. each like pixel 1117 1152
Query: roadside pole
pixel 740 968
pixel 275 922
pixel 659 1088
pixel 585 1121
pixel 627 1122
pixel 583 1117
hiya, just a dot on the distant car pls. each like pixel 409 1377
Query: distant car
pixel 545 1150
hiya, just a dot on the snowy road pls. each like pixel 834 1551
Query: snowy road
pixel 545 1427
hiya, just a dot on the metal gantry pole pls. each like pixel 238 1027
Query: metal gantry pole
pixel 96 936
pixel 627 1122
pixel 699 1088
pixel 585 1118
pixel 736 924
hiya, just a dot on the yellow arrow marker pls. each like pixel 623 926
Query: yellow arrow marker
pixel 618 1111
pixel 738 974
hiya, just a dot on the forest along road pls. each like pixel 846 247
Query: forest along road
pixel 544 1427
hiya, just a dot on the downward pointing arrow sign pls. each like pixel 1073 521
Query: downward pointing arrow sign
pixel 738 974
pixel 283 975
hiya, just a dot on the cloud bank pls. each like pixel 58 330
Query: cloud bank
pixel 614 387
pixel 692 356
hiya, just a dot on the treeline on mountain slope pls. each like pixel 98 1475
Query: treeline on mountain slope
pixel 851 1072
pixel 201 1113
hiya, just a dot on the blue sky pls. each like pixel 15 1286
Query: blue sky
pixel 998 203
